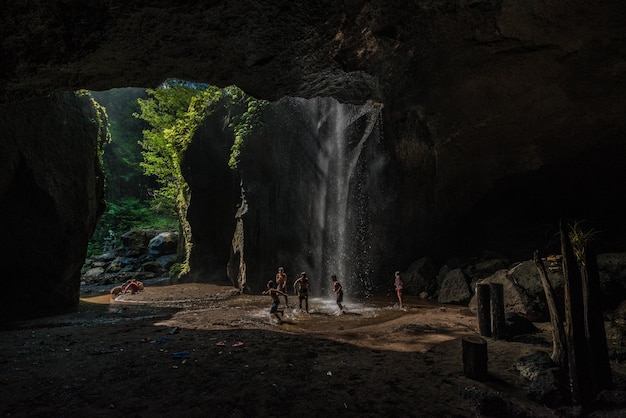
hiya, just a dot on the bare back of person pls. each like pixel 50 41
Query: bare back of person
pixel 281 283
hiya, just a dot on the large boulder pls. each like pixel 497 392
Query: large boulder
pixel 165 243
pixel 421 277
pixel 517 300
pixel 454 288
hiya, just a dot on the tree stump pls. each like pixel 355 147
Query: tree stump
pixel 475 357
pixel 483 308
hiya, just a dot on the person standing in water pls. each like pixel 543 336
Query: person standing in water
pixel 398 285
pixel 338 289
pixel 275 294
pixel 301 287
pixel 281 283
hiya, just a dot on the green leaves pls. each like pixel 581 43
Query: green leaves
pixel 244 126
pixel 175 111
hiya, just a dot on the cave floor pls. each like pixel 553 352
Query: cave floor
pixel 200 350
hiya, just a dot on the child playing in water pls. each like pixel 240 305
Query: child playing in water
pixel 338 289
pixel 301 287
pixel 274 293
pixel 398 285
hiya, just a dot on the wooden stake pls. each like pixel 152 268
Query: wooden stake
pixel 483 307
pixel 498 318
pixel 577 350
pixel 558 333
pixel 599 365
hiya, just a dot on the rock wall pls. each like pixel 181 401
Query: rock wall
pixel 215 194
pixel 500 115
pixel 51 195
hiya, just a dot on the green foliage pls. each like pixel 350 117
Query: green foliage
pixel 175 271
pixel 166 119
pixel 165 112
pixel 122 154
pixel 245 125
pixel 121 217
pixel 174 112
pixel 102 122
pixel 580 239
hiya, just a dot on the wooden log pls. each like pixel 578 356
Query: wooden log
pixel 577 350
pixel 558 332
pixel 483 308
pixel 599 365
pixel 498 319
pixel 475 357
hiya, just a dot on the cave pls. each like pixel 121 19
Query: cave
pixel 499 118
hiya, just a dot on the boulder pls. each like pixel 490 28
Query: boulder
pixel 454 288
pixel 166 261
pixel 421 276
pixel 135 242
pixel 164 243
pixel 516 299
pixel 93 274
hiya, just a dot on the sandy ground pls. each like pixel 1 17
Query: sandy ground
pixel 198 350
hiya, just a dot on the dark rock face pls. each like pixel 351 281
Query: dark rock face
pixel 306 195
pixel 499 117
pixel 215 195
pixel 51 195
pixel 316 195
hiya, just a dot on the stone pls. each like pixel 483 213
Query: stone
pixel 544 377
pixel 164 243
pixel 93 273
pixel 454 288
pixel 135 242
pixel 421 276
pixel 516 299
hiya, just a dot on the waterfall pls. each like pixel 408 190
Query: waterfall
pixel 346 140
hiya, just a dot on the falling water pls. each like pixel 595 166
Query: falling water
pixel 345 136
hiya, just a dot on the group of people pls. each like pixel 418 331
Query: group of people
pixel 301 287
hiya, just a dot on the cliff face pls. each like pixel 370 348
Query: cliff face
pixel 51 195
pixel 502 115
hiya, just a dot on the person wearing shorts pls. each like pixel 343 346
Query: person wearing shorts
pixel 398 285
pixel 274 293
pixel 301 287
pixel 281 283
pixel 338 289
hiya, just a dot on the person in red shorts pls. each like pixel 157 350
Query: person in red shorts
pixel 398 285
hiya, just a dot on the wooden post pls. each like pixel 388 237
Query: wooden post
pixel 558 333
pixel 475 357
pixel 498 319
pixel 599 365
pixel 577 350
pixel 483 308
